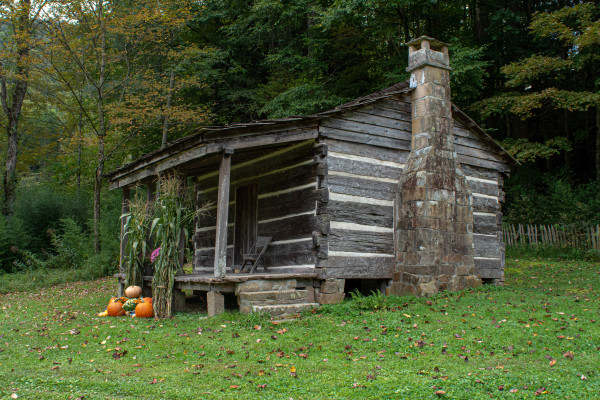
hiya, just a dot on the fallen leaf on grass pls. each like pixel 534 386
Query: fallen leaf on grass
pixel 116 355
pixel 540 391
pixel 440 392
pixel 552 362
pixel 569 355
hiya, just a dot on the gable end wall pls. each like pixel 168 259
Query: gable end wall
pixel 366 152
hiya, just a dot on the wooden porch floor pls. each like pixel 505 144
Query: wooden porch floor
pixel 207 281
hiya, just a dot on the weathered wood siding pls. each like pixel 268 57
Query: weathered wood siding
pixel 366 151
pixel 286 182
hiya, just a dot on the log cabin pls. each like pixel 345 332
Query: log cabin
pixel 397 191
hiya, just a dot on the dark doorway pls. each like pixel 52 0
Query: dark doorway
pixel 246 201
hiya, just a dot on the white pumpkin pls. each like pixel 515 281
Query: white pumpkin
pixel 133 292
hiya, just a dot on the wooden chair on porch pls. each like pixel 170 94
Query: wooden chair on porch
pixel 258 249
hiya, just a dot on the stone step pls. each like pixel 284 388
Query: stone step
pixel 268 296
pixel 284 309
pixel 263 285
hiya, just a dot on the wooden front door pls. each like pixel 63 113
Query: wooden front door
pixel 246 202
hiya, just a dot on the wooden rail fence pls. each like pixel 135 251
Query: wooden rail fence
pixel 584 237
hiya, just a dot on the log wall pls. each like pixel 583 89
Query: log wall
pixel 366 151
pixel 286 182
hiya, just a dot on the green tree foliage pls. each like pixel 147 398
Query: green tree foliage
pixel 561 76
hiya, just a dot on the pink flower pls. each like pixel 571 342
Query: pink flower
pixel 154 254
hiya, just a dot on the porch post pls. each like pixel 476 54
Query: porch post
pixel 151 188
pixel 222 211
pixel 124 209
pixel 182 233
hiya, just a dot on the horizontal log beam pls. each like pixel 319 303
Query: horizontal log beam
pixel 214 147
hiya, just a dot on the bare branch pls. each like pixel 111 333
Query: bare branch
pixel 75 96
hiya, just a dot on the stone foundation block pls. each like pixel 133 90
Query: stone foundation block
pixel 329 298
pixel 245 308
pixel 332 286
pixel 428 289
pixel 310 294
pixel 215 303
pixel 472 281
pixel 401 289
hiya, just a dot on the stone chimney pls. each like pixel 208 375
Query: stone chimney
pixel 433 228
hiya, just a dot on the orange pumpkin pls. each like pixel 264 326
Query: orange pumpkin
pixel 115 309
pixel 148 300
pixel 144 310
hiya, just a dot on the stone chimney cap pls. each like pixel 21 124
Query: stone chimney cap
pixel 427 51
pixel 433 42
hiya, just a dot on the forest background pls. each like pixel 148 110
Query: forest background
pixel 88 85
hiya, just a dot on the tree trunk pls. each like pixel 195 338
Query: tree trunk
pixel 10 175
pixel 79 149
pixel 97 191
pixel 165 131
pixel 481 20
pixel 12 105
pixel 101 129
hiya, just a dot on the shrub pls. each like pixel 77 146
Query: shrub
pixel 12 238
pixel 552 253
pixel 105 263
pixel 375 301
pixel 545 199
pixel 40 208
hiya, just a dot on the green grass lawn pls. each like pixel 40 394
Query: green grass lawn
pixel 537 336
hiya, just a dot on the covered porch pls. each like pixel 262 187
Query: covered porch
pixel 233 223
